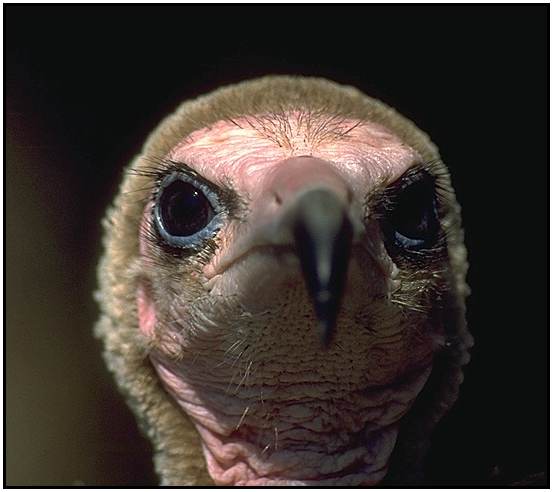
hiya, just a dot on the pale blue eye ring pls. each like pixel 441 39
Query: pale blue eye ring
pixel 186 211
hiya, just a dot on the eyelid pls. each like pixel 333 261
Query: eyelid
pixel 227 197
pixel 209 190
pixel 412 177
pixel 382 197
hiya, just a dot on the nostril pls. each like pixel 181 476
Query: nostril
pixel 278 198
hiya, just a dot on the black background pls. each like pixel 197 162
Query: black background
pixel 84 85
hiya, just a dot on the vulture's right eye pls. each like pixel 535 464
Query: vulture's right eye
pixel 186 211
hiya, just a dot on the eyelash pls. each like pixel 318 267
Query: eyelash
pixel 157 171
pixel 379 205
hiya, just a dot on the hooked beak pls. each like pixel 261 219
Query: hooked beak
pixel 322 234
pixel 306 205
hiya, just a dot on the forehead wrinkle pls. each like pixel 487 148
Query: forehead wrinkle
pixel 289 130
pixel 238 148
pixel 228 154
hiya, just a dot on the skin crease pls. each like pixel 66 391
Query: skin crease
pixel 289 412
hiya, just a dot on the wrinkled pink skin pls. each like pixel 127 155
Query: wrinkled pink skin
pixel 288 413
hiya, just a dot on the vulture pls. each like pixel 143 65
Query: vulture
pixel 282 289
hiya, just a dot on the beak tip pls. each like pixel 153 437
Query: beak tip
pixel 326 332
pixel 326 309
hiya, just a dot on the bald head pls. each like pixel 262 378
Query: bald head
pixel 294 265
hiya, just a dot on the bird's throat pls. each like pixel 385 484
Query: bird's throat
pixel 294 433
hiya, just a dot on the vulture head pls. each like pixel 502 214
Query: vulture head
pixel 283 288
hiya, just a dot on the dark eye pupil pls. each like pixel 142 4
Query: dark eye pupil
pixel 415 214
pixel 412 221
pixel 184 209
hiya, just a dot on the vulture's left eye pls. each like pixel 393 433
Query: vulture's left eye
pixel 186 211
pixel 413 223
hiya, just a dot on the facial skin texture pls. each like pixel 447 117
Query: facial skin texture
pixel 226 335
